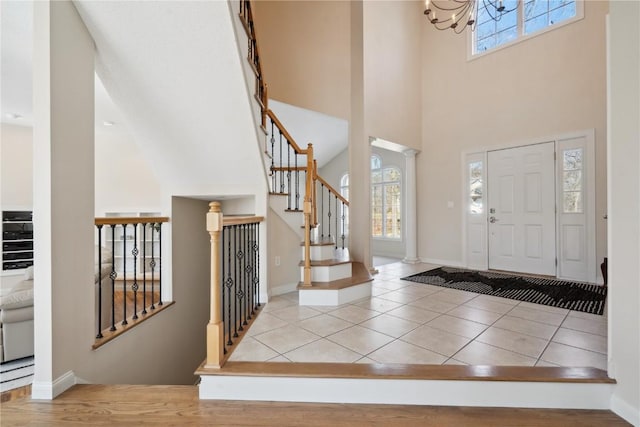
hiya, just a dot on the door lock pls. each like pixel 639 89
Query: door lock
pixel 493 219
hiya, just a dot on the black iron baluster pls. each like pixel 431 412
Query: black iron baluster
pixel 99 335
pixel 134 286
pixel 124 274
pixel 281 168
pixel 247 265
pixel 222 290
pixel 152 264
pixel 329 214
pixel 321 211
pixel 289 193
pixel 235 281
pixel 229 284
pixel 144 268
pixel 252 245
pixel 273 155
pixel 343 217
pixel 113 276
pixel 257 279
pixel 336 220
pixel 159 263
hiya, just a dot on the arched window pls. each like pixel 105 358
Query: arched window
pixel 386 200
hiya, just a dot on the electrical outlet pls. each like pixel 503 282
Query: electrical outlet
pixel 277 261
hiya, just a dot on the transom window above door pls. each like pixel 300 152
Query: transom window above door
pixel 527 18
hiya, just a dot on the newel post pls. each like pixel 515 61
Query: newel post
pixel 308 212
pixel 215 330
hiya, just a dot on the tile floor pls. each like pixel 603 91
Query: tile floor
pixel 406 322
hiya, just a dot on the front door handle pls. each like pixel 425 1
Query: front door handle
pixel 493 219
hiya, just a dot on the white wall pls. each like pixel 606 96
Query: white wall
pixel 551 84
pixel 624 207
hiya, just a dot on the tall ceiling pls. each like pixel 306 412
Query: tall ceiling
pixel 134 41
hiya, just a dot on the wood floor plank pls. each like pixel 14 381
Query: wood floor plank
pixel 404 371
pixel 179 405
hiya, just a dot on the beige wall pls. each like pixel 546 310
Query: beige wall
pixel 284 243
pixel 16 167
pixel 123 179
pixel 392 71
pixel 545 86
pixel 304 48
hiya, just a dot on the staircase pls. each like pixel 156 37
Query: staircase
pixel 311 207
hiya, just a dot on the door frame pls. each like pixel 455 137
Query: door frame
pixel 481 261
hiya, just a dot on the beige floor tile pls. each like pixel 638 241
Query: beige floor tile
pixel 361 340
pixel 542 307
pixel 583 315
pixel 500 300
pixel 366 360
pixel 527 327
pixel 419 290
pixel 477 353
pixel 457 326
pixel 403 352
pixel 565 355
pixel 292 296
pixel 354 314
pixel 541 316
pixel 592 326
pixel 428 303
pixel 250 350
pixel 322 351
pixel 265 322
pixel 453 296
pixel 294 313
pixel 277 303
pixel 390 325
pixel 484 303
pixel 286 338
pixel 513 341
pixel 582 340
pixel 475 314
pixel 436 340
pixel 379 304
pixel 398 296
pixel 413 314
pixel 324 325
pixel 390 285
pixel 379 291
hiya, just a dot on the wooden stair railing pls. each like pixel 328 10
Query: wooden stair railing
pixel 289 160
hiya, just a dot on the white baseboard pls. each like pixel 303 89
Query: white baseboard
pixel 408 392
pixel 626 411
pixel 443 262
pixel 283 289
pixel 45 390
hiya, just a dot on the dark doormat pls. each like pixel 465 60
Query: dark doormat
pixel 556 293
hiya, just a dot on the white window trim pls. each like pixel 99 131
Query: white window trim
pixel 521 36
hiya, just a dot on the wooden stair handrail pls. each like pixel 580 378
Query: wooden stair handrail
pixel 118 220
pixel 332 190
pixel 241 219
pixel 286 134
pixel 249 26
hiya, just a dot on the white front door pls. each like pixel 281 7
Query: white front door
pixel 521 209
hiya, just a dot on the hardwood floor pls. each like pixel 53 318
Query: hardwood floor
pixel 179 405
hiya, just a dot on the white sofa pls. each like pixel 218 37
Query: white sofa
pixel 16 320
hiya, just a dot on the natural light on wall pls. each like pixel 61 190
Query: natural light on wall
pixel 527 18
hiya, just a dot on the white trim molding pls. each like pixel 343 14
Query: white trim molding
pixel 45 390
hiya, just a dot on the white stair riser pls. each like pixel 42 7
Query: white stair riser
pixel 320 253
pixel 328 273
pixel 334 297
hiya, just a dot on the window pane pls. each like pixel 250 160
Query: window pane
pixel 475 187
pixel 376 196
pixel 391 174
pixel 485 30
pixel 536 24
pixel 507 20
pixel 572 181
pixel 506 36
pixel 572 202
pixel 572 159
pixel 486 44
pixel 344 182
pixel 376 176
pixel 534 8
pixel 376 221
pixel 562 13
pixel 375 162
